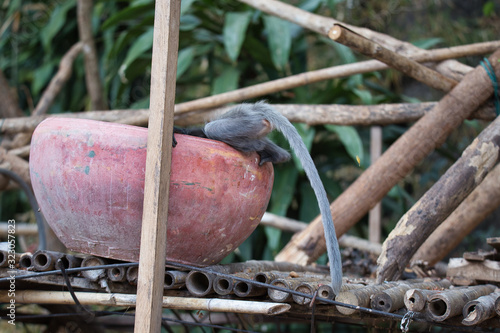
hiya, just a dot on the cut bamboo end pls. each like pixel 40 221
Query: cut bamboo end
pixel 335 32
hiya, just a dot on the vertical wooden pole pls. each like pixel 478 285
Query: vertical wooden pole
pixel 375 214
pixel 156 189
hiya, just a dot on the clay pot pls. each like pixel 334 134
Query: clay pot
pixel 88 178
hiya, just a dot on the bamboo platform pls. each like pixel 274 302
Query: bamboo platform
pixel 268 289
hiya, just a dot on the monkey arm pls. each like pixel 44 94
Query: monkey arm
pixel 194 131
pixel 273 153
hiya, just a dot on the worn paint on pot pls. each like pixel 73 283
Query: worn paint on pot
pixel 88 178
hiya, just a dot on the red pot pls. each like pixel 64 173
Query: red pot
pixel 88 178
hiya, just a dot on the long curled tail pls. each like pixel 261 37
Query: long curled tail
pixel 290 133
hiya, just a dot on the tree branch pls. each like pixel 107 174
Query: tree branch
pixel 92 77
pixel 9 107
pixel 58 81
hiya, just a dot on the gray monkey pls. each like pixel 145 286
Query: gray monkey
pixel 245 128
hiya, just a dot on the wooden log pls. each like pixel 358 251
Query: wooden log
pixel 480 309
pixel 439 202
pixel 468 215
pixel 464 272
pixel 397 161
pixel 360 296
pixel 392 299
pixel 494 242
pixel 158 162
pixel 497 306
pixel 15 164
pixel 450 303
pixel 375 214
pixel 168 302
pixel 395 60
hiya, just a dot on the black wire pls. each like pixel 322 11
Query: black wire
pixel 42 240
pixel 71 291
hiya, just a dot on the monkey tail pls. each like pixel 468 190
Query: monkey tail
pixel 290 133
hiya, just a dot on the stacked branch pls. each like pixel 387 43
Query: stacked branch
pixel 452 188
pixel 427 134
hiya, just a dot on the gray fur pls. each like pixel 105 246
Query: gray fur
pixel 244 128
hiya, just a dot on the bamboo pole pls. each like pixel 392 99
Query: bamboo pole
pixel 392 299
pixel 360 297
pixel 22 229
pixel 416 299
pixel 472 211
pixel 403 64
pixel 450 303
pixel 439 202
pixel 158 162
pixel 480 309
pixel 425 135
pixel 167 302
pixel 284 223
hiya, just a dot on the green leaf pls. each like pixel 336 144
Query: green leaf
pixel 245 249
pixel 345 53
pixel 365 95
pixel 143 44
pixel 350 139
pixel 310 5
pixel 309 208
pixel 189 22
pixel 41 77
pixel 489 8
pixel 185 58
pixel 129 13
pixel 227 81
pixel 285 177
pixel 279 40
pixel 234 32
pixel 55 24
pixel 427 43
pixel 185 5
pixel 273 238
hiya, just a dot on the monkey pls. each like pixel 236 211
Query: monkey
pixel 245 128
